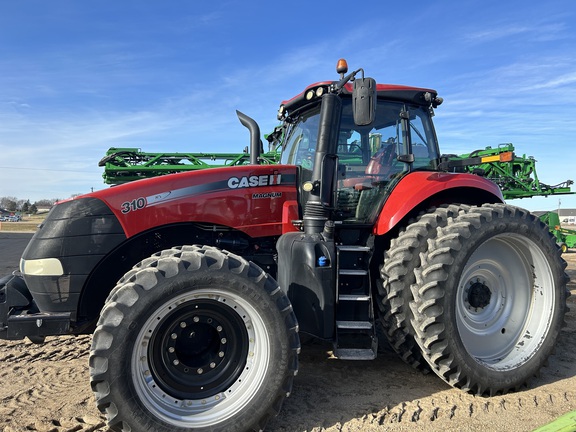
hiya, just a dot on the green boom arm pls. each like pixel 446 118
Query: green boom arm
pixel 122 165
pixel 515 175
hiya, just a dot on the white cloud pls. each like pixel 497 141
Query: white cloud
pixel 499 32
pixel 560 81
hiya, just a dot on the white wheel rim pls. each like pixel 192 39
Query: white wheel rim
pixel 505 302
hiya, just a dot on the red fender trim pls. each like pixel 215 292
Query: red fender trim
pixel 289 213
pixel 418 186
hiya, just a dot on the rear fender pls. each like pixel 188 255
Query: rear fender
pixel 419 190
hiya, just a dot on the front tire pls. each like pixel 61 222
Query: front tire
pixel 490 299
pixel 194 338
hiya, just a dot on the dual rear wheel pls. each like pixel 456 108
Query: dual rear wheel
pixel 483 300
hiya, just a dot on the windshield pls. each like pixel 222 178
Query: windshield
pixel 359 144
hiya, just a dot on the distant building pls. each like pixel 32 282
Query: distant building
pixel 43 209
pixel 567 216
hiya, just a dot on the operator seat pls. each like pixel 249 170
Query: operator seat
pixel 379 168
pixel 381 162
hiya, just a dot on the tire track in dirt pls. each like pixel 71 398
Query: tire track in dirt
pixel 52 392
pixel 464 409
pixel 407 400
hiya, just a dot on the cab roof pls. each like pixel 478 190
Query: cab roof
pixel 414 95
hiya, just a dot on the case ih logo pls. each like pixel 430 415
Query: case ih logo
pixel 254 181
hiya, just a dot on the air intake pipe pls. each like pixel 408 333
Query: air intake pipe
pixel 316 211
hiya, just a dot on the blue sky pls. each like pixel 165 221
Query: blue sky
pixel 78 77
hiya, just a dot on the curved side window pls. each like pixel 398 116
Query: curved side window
pixel 300 144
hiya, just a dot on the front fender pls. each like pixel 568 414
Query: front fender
pixel 419 188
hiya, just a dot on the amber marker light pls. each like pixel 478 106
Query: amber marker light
pixel 502 157
pixel 506 157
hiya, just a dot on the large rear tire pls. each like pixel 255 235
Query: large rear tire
pixel 194 338
pixel 397 275
pixel 490 299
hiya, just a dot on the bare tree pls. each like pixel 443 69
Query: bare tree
pixel 9 203
pixel 45 202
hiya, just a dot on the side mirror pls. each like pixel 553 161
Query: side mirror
pixel 364 101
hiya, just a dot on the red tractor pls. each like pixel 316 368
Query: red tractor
pixel 198 285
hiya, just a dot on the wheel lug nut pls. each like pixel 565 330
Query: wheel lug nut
pixel 221 354
pixel 212 365
pixel 183 324
pixel 223 340
pixel 176 362
pixel 200 370
pixel 174 336
pixel 219 328
pixel 196 319
pixel 171 349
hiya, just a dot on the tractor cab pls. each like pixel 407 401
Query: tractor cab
pixel 371 158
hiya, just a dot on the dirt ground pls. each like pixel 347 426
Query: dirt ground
pixel 45 388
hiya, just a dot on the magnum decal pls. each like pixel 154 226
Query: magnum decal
pixel 266 195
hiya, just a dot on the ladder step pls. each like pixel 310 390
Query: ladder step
pixel 349 272
pixel 353 248
pixel 355 331
pixel 356 325
pixel 355 353
pixel 354 297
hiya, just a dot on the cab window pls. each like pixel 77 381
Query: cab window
pixel 300 145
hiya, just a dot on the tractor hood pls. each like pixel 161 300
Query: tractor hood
pixel 249 198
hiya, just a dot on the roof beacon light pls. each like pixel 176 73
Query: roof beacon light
pixel 342 67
